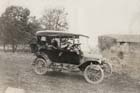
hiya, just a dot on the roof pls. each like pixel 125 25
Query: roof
pixel 125 38
pixel 58 34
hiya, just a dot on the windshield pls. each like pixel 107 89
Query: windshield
pixel 84 44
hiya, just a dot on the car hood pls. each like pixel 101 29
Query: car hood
pixel 92 57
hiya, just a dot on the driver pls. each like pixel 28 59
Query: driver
pixel 75 48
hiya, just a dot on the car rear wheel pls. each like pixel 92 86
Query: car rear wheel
pixel 93 74
pixel 40 66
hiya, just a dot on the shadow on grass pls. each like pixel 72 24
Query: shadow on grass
pixel 77 76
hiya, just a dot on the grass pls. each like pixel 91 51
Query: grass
pixel 11 66
pixel 16 71
pixel 129 64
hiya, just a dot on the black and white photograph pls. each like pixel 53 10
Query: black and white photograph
pixel 69 46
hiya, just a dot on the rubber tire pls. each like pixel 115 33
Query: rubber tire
pixel 110 68
pixel 90 81
pixel 35 69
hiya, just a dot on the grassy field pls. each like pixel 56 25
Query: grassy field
pixel 16 71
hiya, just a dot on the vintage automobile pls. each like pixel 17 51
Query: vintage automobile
pixel 61 50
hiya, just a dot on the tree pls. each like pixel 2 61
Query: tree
pixel 55 19
pixel 15 26
pixel 34 25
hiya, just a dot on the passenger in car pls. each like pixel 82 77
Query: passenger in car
pixel 54 44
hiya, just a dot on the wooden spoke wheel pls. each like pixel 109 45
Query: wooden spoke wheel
pixel 93 74
pixel 40 66
pixel 107 68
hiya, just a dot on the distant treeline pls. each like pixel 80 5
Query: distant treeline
pixel 18 27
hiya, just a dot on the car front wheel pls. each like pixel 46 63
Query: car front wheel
pixel 93 74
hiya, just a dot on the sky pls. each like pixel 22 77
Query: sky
pixel 90 17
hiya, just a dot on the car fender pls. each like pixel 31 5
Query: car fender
pixel 45 57
pixel 87 61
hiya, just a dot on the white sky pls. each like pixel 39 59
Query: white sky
pixel 91 17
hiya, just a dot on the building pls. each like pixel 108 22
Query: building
pixel 107 41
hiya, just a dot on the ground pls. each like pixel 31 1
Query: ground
pixel 16 71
